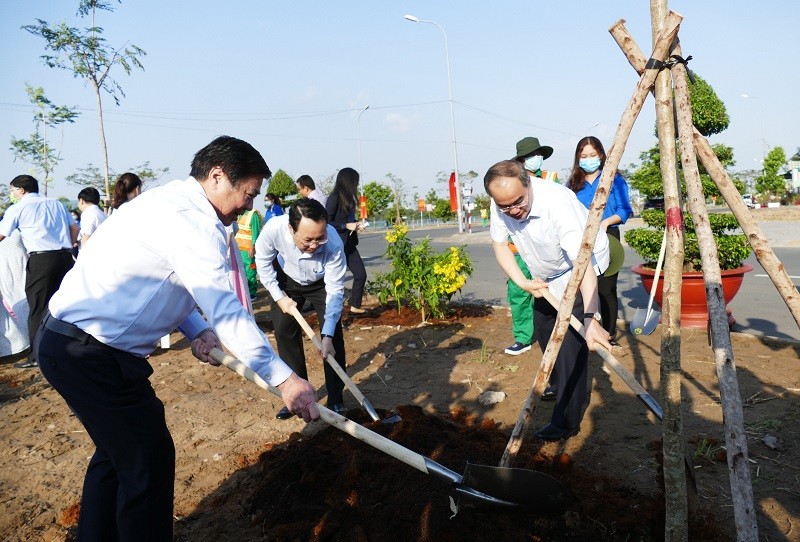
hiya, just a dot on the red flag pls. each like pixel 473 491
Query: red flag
pixel 362 206
pixel 453 193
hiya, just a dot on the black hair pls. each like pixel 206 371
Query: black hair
pixel 127 183
pixel 90 195
pixel 274 197
pixel 577 178
pixel 237 158
pixel 306 208
pixel 346 188
pixel 306 181
pixel 26 182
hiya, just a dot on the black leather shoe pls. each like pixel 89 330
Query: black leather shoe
pixel 339 409
pixel 284 414
pixel 552 433
pixel 550 393
pixel 26 364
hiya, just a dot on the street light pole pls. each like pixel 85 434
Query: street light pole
pixel 460 212
pixel 358 129
pixel 763 130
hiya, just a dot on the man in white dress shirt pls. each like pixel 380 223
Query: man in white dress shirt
pixel 546 222
pixel 48 233
pixel 145 271
pixel 300 257
pixel 308 189
pixel 91 214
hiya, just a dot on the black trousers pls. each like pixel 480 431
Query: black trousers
pixel 129 483
pixel 607 292
pixel 45 271
pixel 289 336
pixel 356 266
pixel 570 372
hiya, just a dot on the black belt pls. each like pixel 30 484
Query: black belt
pixel 68 330
pixel 49 251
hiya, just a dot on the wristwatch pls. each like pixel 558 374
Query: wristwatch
pixel 590 315
pixel 326 335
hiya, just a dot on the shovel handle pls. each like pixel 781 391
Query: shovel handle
pixel 659 263
pixel 615 365
pixel 335 365
pixel 341 423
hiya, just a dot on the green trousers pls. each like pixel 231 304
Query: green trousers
pixel 521 303
pixel 250 272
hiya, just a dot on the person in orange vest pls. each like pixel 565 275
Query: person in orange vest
pixel 249 226
pixel 531 154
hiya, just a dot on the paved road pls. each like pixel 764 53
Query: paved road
pixel 758 308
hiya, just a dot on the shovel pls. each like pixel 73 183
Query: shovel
pixel 609 359
pixel 363 401
pixel 480 487
pixel 645 322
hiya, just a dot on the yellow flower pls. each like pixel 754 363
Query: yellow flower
pixel 398 282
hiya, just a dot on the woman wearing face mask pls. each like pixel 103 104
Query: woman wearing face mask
pixel 273 206
pixel 590 157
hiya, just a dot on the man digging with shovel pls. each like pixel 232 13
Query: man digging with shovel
pixel 546 222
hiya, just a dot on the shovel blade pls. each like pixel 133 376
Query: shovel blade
pixel 641 324
pixel 523 487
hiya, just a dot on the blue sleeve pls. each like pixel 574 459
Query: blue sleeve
pixel 622 200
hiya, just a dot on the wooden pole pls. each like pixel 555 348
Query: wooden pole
pixel 744 509
pixel 613 159
pixel 739 473
pixel 764 253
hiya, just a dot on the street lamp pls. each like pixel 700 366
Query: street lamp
pixel 763 130
pixel 358 129
pixel 460 212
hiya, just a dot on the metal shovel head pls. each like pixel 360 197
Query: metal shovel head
pixel 523 487
pixel 641 324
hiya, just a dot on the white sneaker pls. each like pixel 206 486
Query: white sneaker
pixel 517 348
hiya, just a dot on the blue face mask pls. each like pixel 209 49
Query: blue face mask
pixel 589 165
pixel 534 163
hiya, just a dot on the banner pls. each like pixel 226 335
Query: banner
pixel 453 193
pixel 362 206
pixel 421 205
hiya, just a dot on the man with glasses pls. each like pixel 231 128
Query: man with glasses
pixel 546 222
pixel 48 233
pixel 300 257
pixel 154 261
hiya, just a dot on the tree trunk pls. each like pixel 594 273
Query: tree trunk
pixel 103 146
pixel 676 522
pixel 766 257
pixel 587 243
pixel 744 510
pixel 638 60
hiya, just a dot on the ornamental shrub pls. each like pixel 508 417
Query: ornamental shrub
pixel 426 279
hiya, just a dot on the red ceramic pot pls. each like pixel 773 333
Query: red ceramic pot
pixel 694 310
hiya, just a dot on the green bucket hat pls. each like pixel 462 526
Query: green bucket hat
pixel 528 145
pixel 617 256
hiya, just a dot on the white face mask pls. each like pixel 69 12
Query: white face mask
pixel 534 163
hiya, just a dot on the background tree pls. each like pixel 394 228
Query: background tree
pixel 87 54
pixel 441 206
pixel 92 176
pixel 379 197
pixel 37 149
pixel 399 191
pixel 796 157
pixel 770 184
pixel 5 199
pixel 709 115
pixel 281 184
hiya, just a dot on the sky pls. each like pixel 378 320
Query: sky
pixel 294 78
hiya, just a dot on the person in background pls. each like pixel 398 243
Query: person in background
pixel 76 216
pixel 14 309
pixel 146 272
pixel 273 206
pixel 88 203
pixel 49 234
pixel 248 228
pixel 546 222
pixel 341 208
pixel 128 186
pixel 299 257
pixel 308 189
pixel 587 167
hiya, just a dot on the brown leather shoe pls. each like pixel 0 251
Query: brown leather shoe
pixel 357 310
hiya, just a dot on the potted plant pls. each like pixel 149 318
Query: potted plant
pixel 732 250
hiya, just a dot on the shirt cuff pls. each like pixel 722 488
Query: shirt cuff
pixel 192 325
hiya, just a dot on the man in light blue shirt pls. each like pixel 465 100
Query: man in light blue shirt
pixel 48 233
pixel 300 257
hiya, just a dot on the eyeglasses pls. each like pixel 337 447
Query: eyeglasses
pixel 519 205
pixel 311 242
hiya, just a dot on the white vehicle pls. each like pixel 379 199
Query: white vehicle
pixel 749 200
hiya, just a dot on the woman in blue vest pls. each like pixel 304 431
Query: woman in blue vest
pixel 587 168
